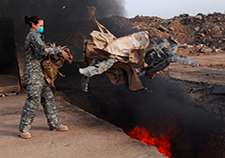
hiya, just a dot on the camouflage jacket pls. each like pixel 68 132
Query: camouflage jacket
pixel 36 51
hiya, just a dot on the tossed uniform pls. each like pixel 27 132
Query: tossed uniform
pixel 38 91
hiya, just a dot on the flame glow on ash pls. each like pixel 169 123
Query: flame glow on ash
pixel 162 142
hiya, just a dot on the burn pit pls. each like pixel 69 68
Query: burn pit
pixel 195 132
pixel 165 113
pixel 162 142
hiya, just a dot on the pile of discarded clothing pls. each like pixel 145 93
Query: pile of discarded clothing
pixel 115 56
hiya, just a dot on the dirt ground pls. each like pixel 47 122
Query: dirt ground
pixel 88 136
pixel 206 83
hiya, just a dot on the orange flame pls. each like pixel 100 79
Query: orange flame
pixel 162 142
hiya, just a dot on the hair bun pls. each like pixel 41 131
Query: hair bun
pixel 27 19
pixel 32 19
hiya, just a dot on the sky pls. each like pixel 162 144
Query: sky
pixel 167 9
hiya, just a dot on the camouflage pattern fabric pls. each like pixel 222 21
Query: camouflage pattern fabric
pixel 38 91
pixel 98 68
pixel 161 55
pixel 166 50
pixel 183 60
pixel 85 79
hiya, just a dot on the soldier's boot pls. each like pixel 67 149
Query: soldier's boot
pixel 25 135
pixel 61 128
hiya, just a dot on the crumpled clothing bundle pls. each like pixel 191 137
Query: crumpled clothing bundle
pixel 119 49
pixel 162 54
pixel 115 56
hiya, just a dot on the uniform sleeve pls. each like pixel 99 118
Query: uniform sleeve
pixel 52 50
pixel 40 47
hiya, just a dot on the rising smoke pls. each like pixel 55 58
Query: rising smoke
pixel 60 10
pixel 63 19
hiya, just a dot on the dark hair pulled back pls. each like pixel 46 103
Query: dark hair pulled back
pixel 32 19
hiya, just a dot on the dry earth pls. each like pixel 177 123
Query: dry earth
pixel 205 83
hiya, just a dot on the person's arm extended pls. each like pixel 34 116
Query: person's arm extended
pixel 40 47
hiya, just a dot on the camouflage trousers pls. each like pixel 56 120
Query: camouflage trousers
pixel 97 67
pixel 38 91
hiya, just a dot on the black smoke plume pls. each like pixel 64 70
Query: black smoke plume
pixel 67 22
pixel 57 11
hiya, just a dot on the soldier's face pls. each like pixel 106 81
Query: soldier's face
pixel 38 25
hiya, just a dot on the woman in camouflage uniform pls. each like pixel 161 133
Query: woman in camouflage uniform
pixel 38 91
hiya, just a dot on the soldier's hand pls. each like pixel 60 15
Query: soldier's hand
pixel 65 55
